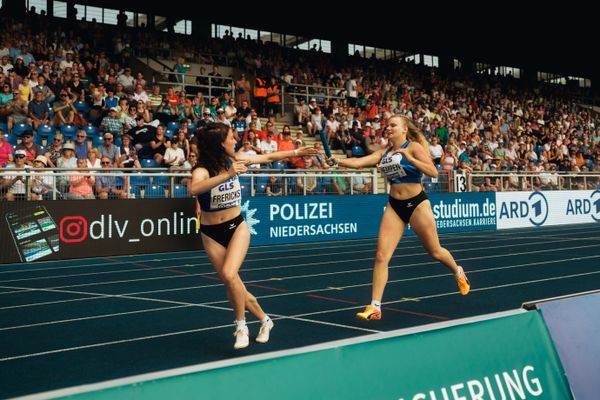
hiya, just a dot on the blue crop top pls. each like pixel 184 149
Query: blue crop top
pixel 397 169
pixel 226 195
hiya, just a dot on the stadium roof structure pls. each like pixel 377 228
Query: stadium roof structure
pixel 534 35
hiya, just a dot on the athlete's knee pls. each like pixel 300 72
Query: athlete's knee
pixel 228 277
pixel 381 257
pixel 437 253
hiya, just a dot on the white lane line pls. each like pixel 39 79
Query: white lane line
pixel 511 233
pixel 314 290
pixel 298 316
pixel 120 270
pixel 268 280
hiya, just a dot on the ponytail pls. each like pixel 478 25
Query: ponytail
pixel 414 133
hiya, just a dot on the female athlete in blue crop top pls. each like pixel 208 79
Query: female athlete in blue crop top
pixel 403 163
pixel 225 235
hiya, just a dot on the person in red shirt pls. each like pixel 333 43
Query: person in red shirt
pixel 5 150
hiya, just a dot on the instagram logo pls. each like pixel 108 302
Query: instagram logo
pixel 73 229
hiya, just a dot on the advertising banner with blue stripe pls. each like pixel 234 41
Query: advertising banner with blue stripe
pixel 526 209
pixel 292 219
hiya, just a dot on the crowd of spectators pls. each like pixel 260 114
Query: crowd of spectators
pixel 73 84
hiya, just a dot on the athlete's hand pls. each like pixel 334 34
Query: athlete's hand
pixel 406 154
pixel 238 167
pixel 308 151
pixel 333 162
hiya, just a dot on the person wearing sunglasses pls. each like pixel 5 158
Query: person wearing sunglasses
pixel 106 185
pixel 12 182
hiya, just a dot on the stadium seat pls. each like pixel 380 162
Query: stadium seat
pixel 173 126
pixel 324 185
pixel 45 130
pixel 357 151
pixel 82 107
pixel 192 128
pixel 154 192
pixel 169 133
pixel 279 165
pixel 118 141
pixel 3 127
pixel 180 191
pixel 135 191
pixel 91 131
pixel 18 129
pixel 149 163
pixel 39 140
pixel 12 139
pixel 161 180
pixel 139 180
pixel 245 186
pixel 97 141
pixel 68 131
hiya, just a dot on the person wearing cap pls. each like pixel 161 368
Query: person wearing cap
pixel 32 150
pixel 42 182
pixel 269 145
pixel 64 109
pixel 174 155
pixel 6 150
pixel 6 65
pixel 12 182
pixel 221 117
pixel 111 123
pixel 66 161
pixel 110 150
pixel 247 150
pixel 126 79
pixel 297 161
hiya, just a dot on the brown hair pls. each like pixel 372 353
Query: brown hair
pixel 414 133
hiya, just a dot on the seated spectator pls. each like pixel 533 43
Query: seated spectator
pixel 129 157
pixel 6 150
pixel 81 183
pixel 274 186
pixel 31 149
pixel 297 161
pixel 66 161
pixel 158 144
pixel 111 123
pixel 248 150
pixel 269 145
pixel 82 145
pixel 340 184
pixel 109 149
pixel 12 182
pixel 306 184
pixel 302 113
pixel 93 159
pixel 38 110
pixel 16 111
pixel 436 150
pixel 106 185
pixel 174 156
pixel 360 184
pixel 140 94
pixel 54 150
pixel 155 99
pixel 42 182
pixel 64 110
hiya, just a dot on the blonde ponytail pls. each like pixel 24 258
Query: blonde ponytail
pixel 414 133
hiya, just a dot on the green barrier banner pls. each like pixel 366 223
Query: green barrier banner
pixel 503 358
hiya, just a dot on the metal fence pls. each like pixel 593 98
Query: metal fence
pixel 127 183
pixel 187 82
pixel 527 181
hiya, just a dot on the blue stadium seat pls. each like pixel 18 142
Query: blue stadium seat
pixel 262 180
pixel 118 141
pixel 135 191
pixel 91 131
pixel 173 126
pixel 3 127
pixel 192 128
pixel 149 163
pixel 169 133
pixel 154 192
pixel 46 130
pixel 68 131
pixel 97 141
pixel 82 107
pixel 12 139
pixel 39 140
pixel 161 180
pixel 245 186
pixel 18 129
pixel 324 185
pixel 137 180
pixel 357 151
pixel 180 191
pixel 280 165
